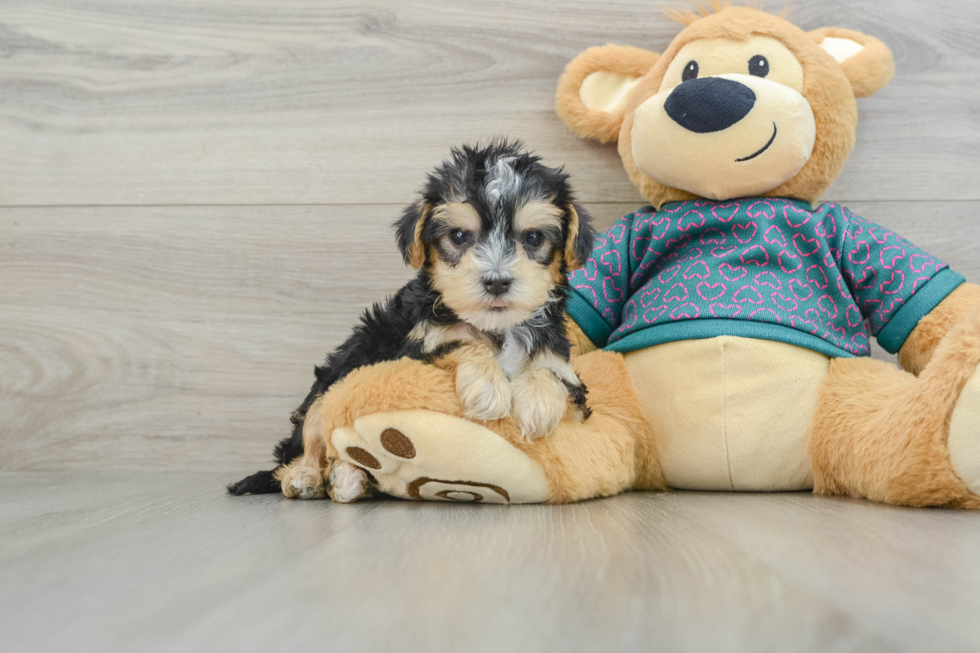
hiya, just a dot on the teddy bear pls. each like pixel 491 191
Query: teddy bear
pixel 723 330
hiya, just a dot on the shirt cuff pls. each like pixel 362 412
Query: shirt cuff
pixel 588 319
pixel 900 327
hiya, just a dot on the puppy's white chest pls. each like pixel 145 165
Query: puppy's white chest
pixel 513 355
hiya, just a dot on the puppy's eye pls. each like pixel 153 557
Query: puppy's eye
pixel 690 71
pixel 758 66
pixel 533 239
pixel 459 237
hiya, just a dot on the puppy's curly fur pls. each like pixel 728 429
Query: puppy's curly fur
pixel 493 236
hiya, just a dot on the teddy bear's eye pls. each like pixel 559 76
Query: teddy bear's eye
pixel 758 66
pixel 690 71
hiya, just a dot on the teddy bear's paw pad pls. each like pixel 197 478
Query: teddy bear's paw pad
pixel 964 434
pixel 434 489
pixel 424 455
pixel 303 483
pixel 365 453
pixel 348 483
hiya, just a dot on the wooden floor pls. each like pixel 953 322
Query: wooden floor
pixel 194 207
pixel 160 561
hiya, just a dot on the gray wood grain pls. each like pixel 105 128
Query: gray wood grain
pixel 166 562
pixel 182 337
pixel 297 101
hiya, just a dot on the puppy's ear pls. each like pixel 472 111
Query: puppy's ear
pixel 593 89
pixel 408 232
pixel 866 61
pixel 581 234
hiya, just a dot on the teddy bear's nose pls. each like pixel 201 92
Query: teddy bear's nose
pixel 709 104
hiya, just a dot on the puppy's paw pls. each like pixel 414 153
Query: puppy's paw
pixel 539 402
pixel 348 483
pixel 483 389
pixel 303 483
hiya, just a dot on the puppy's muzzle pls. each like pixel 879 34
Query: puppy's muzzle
pixel 497 287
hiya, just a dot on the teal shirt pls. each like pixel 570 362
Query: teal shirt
pixel 776 269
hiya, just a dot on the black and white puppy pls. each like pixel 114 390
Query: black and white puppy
pixel 493 236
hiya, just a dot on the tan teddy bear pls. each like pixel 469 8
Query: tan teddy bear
pixel 734 313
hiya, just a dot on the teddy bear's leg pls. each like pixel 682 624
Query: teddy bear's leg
pixel 402 422
pixel 890 436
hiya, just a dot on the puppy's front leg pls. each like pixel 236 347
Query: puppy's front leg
pixel 482 387
pixel 541 392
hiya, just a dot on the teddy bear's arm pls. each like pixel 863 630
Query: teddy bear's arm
pixel 576 336
pixel 922 342
pixel 908 298
pixel 601 289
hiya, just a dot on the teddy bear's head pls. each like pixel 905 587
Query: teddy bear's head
pixel 742 103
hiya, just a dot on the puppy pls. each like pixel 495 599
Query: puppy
pixel 493 237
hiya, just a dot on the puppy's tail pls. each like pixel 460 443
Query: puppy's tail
pixel 257 483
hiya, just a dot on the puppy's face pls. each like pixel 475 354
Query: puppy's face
pixel 495 269
pixel 497 232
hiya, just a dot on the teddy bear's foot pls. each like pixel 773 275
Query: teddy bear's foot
pixel 303 482
pixel 885 434
pixel 964 434
pixel 420 454
pixel 348 483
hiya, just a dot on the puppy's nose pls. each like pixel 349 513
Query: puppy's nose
pixel 709 104
pixel 497 287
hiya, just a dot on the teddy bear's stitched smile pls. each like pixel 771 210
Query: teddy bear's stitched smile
pixel 764 147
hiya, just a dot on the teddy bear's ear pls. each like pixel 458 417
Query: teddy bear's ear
pixel 592 91
pixel 866 61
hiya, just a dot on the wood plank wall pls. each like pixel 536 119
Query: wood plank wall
pixel 195 197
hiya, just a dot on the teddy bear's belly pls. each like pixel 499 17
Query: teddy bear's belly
pixel 730 413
